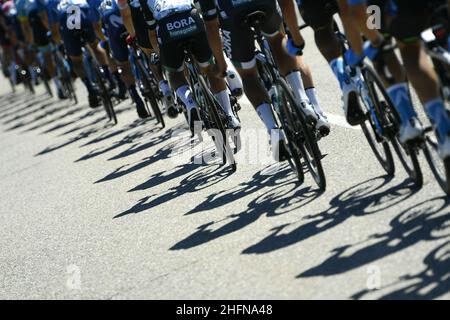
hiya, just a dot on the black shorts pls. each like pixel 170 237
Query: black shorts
pixel 238 38
pixel 318 14
pixel 140 27
pixel 413 17
pixel 39 30
pixel 179 31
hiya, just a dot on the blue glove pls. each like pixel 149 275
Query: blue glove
pixel 292 49
pixel 352 58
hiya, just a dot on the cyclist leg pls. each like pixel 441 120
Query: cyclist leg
pixel 419 68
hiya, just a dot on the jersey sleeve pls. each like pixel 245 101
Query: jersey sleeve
pixel 148 15
pixel 209 9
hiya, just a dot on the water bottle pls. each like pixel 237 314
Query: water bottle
pixel 235 83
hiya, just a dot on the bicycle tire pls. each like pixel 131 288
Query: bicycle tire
pixel 390 119
pixel 212 105
pixel 149 95
pixel 304 141
pixel 442 176
pixel 104 94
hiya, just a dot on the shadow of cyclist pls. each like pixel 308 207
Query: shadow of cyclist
pixel 426 221
pixel 364 198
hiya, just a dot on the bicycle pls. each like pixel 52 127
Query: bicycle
pixel 148 84
pixel 212 116
pixel 301 134
pixel 435 41
pixel 383 121
pixel 64 74
pixel 98 77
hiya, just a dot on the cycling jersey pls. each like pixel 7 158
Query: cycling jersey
pixel 26 7
pixel 108 11
pixel 179 26
pixel 73 36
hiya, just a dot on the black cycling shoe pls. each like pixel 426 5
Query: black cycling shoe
pixel 61 94
pixel 172 112
pixel 122 92
pixel 141 110
pixel 94 100
pixel 354 115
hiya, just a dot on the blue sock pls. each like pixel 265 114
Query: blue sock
pixel 401 99
pixel 337 65
pixel 438 115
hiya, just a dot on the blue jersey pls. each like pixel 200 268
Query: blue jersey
pixel 108 11
pixel 86 5
pixel 51 6
pixel 26 7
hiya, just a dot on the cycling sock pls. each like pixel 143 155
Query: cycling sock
pixel 438 115
pixel 312 96
pixel 337 65
pixel 88 84
pixel 295 81
pixel 164 88
pixel 400 97
pixel 224 100
pixel 265 113
pixel 184 93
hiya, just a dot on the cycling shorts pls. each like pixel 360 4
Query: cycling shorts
pixel 238 38
pixel 318 14
pixel 73 38
pixel 179 31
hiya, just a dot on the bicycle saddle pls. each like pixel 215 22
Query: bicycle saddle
pixel 254 18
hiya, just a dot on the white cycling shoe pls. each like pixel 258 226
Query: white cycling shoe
pixel 413 130
pixel 280 152
pixel 233 122
pixel 352 107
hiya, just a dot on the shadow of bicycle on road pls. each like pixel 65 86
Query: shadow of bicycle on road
pixel 283 196
pixel 426 221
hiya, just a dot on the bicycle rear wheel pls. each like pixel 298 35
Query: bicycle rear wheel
pixel 104 95
pixel 390 124
pixel 149 94
pixel 223 144
pixel 301 137
pixel 440 168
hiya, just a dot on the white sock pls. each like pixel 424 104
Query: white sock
pixel 224 100
pixel 164 87
pixel 312 96
pixel 265 113
pixel 295 81
pixel 184 93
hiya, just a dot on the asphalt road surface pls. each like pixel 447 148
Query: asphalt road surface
pixel 90 210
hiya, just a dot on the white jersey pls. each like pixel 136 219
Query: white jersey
pixel 164 8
